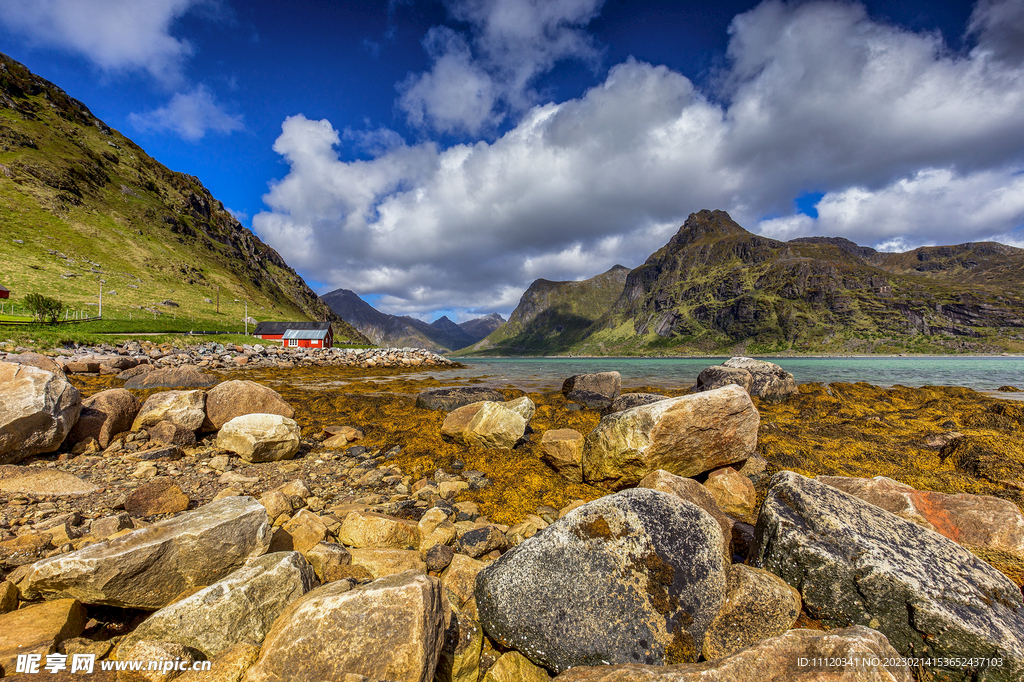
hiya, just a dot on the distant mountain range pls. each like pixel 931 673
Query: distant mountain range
pixel 399 332
pixel 717 288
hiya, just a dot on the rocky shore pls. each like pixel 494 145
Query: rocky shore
pixel 329 538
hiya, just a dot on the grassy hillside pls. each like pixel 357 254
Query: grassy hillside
pixel 83 208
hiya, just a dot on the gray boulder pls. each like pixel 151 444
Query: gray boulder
pixel 856 563
pixel 176 377
pixel 767 380
pixel 37 411
pixel 448 399
pixel 717 376
pixel 628 400
pixel 238 609
pixel 146 569
pixel 633 577
pixel 596 391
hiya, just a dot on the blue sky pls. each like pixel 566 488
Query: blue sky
pixel 436 157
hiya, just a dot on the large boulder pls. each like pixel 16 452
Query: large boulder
pixel 488 424
pixel 767 380
pixel 717 376
pixel 563 450
pixel 37 411
pixel 628 400
pixel 635 576
pixel 758 605
pixel 147 568
pixel 174 377
pixel 692 491
pixel 238 609
pixel 795 656
pixel 974 521
pixel 856 563
pixel 448 399
pixel 105 415
pixel 596 391
pixel 187 409
pixel 684 436
pixel 37 360
pixel 38 629
pixel 231 399
pixel 261 437
pixel 391 629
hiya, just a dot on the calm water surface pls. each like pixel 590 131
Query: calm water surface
pixel 980 373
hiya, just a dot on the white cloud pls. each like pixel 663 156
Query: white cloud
pixel 470 87
pixel 117 35
pixel 910 143
pixel 190 116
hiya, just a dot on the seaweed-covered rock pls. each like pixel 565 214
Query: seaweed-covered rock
pixel 454 397
pixel 174 377
pixel 632 577
pixel 856 563
pixel 684 436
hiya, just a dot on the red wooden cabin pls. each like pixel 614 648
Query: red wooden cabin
pixel 297 334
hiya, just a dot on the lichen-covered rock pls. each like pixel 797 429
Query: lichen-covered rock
pixel 767 380
pixel 261 437
pixel 563 450
pixel 149 567
pixel 635 576
pixel 758 605
pixel 105 415
pixel 628 400
pixel 717 376
pixel 459 660
pixel 974 521
pixel 480 541
pixel 596 391
pixel 692 491
pixel 187 409
pixel 856 563
pixel 238 609
pixel 514 667
pixel 451 398
pixel 391 629
pixel 230 399
pixel 37 411
pixel 795 656
pixel 487 424
pixel 684 436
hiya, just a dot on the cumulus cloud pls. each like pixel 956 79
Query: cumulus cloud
pixel 189 115
pixel 116 35
pixel 908 142
pixel 472 84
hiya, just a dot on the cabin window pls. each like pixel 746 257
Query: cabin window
pixel 293 342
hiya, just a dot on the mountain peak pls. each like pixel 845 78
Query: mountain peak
pixel 707 223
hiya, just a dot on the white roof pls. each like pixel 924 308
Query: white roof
pixel 306 334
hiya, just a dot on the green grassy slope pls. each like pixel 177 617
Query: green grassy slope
pixel 83 208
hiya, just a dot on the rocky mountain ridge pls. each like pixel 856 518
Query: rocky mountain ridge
pixel 715 287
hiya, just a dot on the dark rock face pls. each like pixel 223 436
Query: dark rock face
pixel 178 377
pixel 634 577
pixel 596 391
pixel 856 563
pixel 711 378
pixel 628 400
pixel 449 399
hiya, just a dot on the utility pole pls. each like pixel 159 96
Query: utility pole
pixel 101 298
pixel 218 299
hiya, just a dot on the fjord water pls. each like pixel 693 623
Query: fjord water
pixel 983 373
